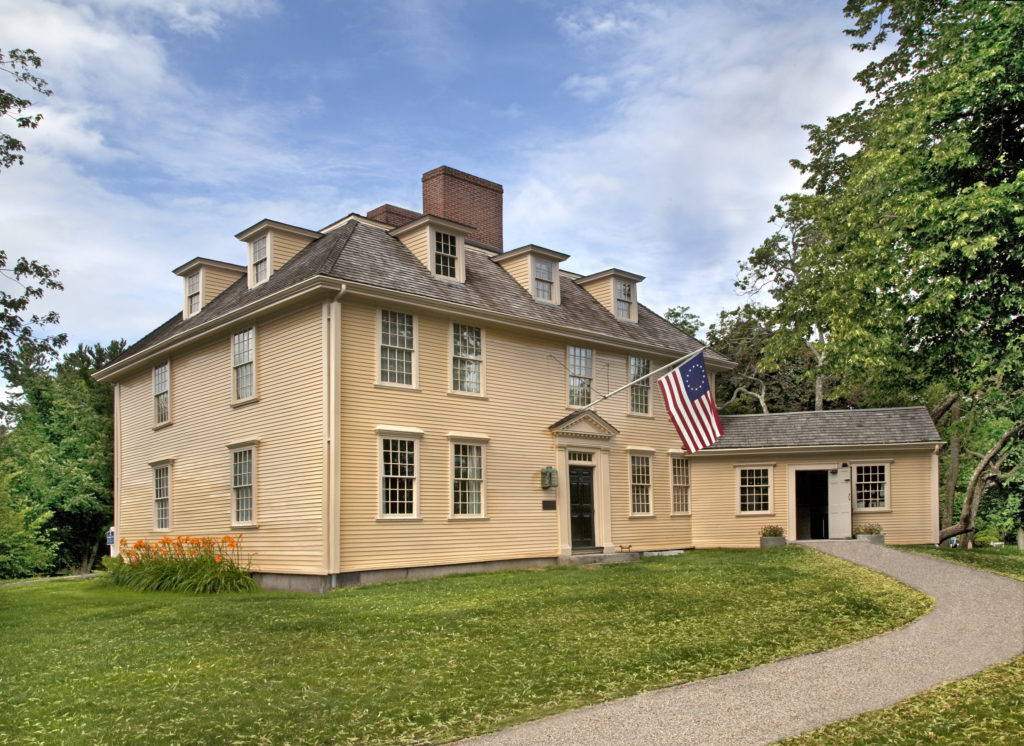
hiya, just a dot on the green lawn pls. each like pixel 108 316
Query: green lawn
pixel 1008 560
pixel 423 661
pixel 983 709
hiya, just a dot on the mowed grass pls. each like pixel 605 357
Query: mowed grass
pixel 1006 560
pixel 987 708
pixel 414 662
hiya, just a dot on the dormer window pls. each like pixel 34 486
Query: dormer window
pixel 192 301
pixel 445 255
pixel 260 265
pixel 543 279
pixel 624 299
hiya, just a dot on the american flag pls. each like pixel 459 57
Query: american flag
pixel 691 404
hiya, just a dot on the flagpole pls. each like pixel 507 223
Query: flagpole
pixel 673 364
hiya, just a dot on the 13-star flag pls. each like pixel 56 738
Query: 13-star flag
pixel 691 404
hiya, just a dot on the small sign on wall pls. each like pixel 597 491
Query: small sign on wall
pixel 547 504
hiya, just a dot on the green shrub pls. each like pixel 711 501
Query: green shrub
pixel 772 530
pixel 186 563
pixel 869 528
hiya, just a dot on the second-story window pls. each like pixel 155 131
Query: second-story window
pixel 397 345
pixel 581 374
pixel 640 392
pixel 260 267
pixel 193 294
pixel 623 299
pixel 467 356
pixel 243 364
pixel 543 279
pixel 162 393
pixel 445 254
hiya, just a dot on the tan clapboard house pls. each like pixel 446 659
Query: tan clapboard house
pixel 396 396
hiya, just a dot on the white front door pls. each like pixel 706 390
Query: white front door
pixel 840 507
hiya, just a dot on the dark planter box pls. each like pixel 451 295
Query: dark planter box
pixel 772 541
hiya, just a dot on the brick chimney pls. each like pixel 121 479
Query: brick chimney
pixel 465 199
pixel 394 216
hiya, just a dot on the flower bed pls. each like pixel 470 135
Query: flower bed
pixel 194 564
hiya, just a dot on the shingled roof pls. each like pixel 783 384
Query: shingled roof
pixel 367 255
pixel 840 427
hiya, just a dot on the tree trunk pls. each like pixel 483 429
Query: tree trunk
pixel 977 485
pixel 87 562
pixel 819 393
pixel 1020 539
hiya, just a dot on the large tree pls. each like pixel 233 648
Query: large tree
pixel 903 259
pixel 20 65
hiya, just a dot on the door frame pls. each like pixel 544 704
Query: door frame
pixel 791 470
pixel 598 452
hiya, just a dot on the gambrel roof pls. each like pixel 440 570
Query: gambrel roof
pixel 365 254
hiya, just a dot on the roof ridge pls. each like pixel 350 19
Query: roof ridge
pixel 332 255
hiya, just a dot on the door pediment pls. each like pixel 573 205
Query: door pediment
pixel 586 424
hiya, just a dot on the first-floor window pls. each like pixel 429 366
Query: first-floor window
pixel 869 486
pixel 398 476
pixel 755 489
pixel 242 468
pixel 680 485
pixel 467 479
pixel 243 363
pixel 162 497
pixel 640 484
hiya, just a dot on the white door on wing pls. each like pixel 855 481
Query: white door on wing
pixel 840 506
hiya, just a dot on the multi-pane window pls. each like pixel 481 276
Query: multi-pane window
pixel 162 393
pixel 241 485
pixel 162 497
pixel 755 490
pixel 543 279
pixel 623 299
pixel 680 485
pixel 640 484
pixel 582 456
pixel 193 294
pixel 869 486
pixel 640 392
pixel 467 479
pixel 242 363
pixel 445 255
pixel 396 347
pixel 398 477
pixel 260 267
pixel 581 374
pixel 467 357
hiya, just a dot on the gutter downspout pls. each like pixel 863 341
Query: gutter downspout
pixel 332 398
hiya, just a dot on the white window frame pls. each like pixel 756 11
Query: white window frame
pixel 156 467
pixel 414 360
pixel 460 255
pixel 570 375
pixel 886 507
pixel 157 393
pixel 643 387
pixel 254 279
pixel 628 297
pixel 251 446
pixel 410 434
pixel 236 363
pixel 481 361
pixel 740 468
pixel 552 283
pixel 189 294
pixel 638 456
pixel 685 485
pixel 473 441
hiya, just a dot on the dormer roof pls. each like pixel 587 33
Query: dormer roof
pixel 193 264
pixel 555 256
pixel 605 274
pixel 265 224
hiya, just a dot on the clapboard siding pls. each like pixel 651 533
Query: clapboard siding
pixel 519 268
pixel 418 243
pixel 285 246
pixel 287 420
pixel 217 280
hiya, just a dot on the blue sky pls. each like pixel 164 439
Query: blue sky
pixel 652 136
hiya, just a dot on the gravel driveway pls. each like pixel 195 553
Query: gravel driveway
pixel 764 704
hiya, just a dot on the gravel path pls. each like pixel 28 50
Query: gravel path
pixel 978 620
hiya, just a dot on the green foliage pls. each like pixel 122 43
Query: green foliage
pixel 62 443
pixel 772 530
pixel 25 548
pixel 1005 560
pixel 186 564
pixel 19 63
pixel 869 529
pixel 685 319
pixel 414 662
